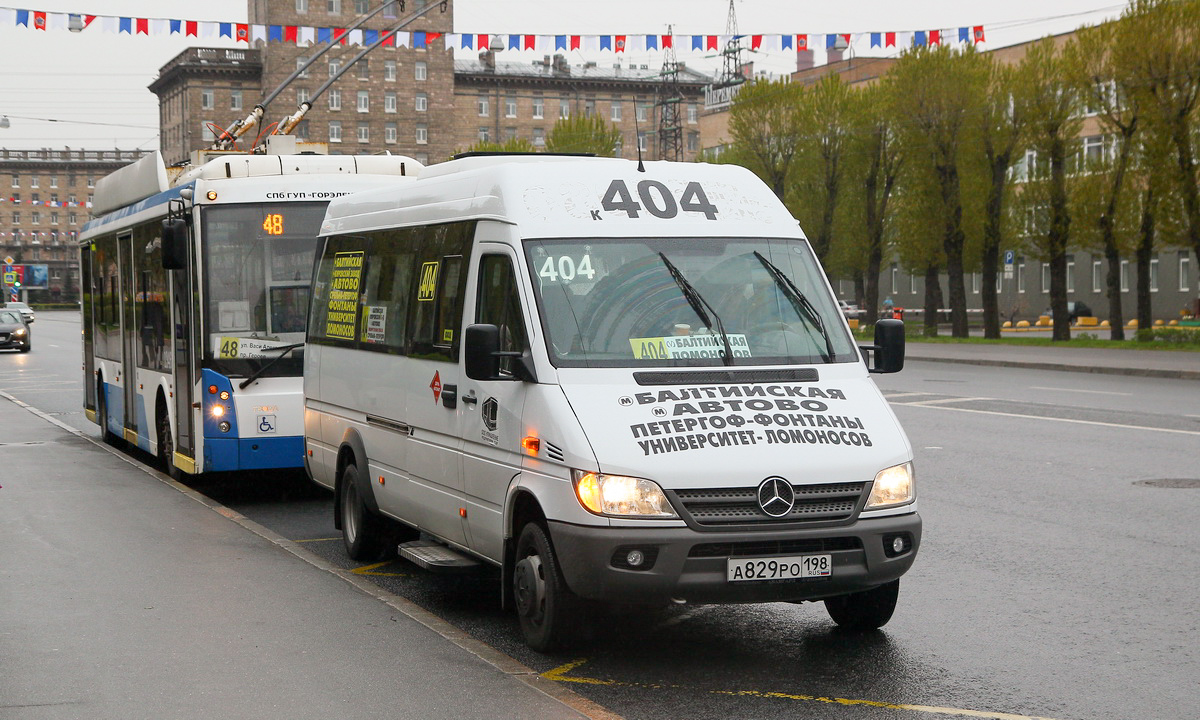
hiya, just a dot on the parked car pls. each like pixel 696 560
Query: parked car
pixel 25 310
pixel 1075 310
pixel 850 310
pixel 14 332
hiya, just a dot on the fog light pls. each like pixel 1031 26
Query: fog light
pixel 224 395
pixel 898 545
pixel 635 558
pixel 224 426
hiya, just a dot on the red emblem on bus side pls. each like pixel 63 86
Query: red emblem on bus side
pixel 436 386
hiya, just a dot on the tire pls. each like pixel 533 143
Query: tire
pixel 363 533
pixel 546 607
pixel 110 438
pixel 166 447
pixel 866 610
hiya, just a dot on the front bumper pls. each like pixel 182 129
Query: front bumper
pixel 14 342
pixel 686 568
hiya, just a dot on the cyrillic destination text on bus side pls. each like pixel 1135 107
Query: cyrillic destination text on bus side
pixel 342 315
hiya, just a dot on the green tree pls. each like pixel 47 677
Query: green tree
pixel 765 129
pixel 1054 113
pixel 584 134
pixel 937 93
pixel 512 145
pixel 816 180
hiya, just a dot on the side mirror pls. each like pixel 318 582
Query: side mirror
pixel 889 346
pixel 174 244
pixel 482 345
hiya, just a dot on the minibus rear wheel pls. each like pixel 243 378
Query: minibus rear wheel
pixel 362 531
pixel 545 605
pixel 866 610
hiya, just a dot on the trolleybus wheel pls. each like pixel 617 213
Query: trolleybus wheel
pixel 363 533
pixel 866 610
pixel 110 438
pixel 166 446
pixel 544 602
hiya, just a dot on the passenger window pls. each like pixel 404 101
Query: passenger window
pixel 499 304
pixel 334 319
pixel 437 290
pixel 385 293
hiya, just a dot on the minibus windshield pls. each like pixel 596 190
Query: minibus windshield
pixel 257 264
pixel 622 302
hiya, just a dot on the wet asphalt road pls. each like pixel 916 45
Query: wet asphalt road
pixel 1053 581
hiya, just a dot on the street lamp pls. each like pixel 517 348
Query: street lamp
pixel 4 123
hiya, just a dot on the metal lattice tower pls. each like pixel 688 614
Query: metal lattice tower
pixel 670 98
pixel 731 67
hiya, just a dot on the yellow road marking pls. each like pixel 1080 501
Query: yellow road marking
pixel 317 540
pixel 370 570
pixel 559 674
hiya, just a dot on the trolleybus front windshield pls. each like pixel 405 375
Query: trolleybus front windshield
pixel 643 302
pixel 257 264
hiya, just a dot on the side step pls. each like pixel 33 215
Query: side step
pixel 436 557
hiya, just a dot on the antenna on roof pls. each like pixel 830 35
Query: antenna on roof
pixel 637 137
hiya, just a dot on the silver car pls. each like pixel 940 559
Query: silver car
pixel 25 310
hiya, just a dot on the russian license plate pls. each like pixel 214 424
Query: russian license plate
pixel 778 568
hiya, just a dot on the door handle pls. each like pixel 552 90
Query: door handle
pixel 450 396
pixel 470 398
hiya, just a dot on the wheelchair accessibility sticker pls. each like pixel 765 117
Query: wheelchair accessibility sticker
pixel 266 424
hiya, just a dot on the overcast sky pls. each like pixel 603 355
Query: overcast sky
pixel 98 80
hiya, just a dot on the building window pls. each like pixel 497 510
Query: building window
pixel 334 66
pixel 589 107
pixel 1185 270
pixel 422 134
pixel 300 63
pixel 53 181
pixel 564 108
pixel 389 70
pixel 642 141
pixel 484 135
pixel 389 102
pixel 422 158
pixel 616 109
pixel 1045 277
pixel 641 110
pixel 206 101
pixel 389 8
pixel 1020 277
pixel 389 133
pixel 1070 274
pixel 510 107
pixel 421 102
pixel 895 279
pixel 364 132
pixel 975 283
pixel 481 105
pixel 334 6
pixel 335 131
pixel 34 181
pixel 510 133
pixel 912 284
pixel 235 99
pixel 693 113
pixel 335 99
pixel 360 7
pixel 35 217
pixel 206 133
pixel 1124 276
pixel 364 69
pixel 301 6
pixel 420 70
pixel 16 181
pixel 91 182
pixel 37 198
pixel 364 101
pixel 53 218
pixel 73 219
pixel 693 141
pixel 1097 276
pixel 539 137
pixel 301 96
pixel 539 108
pixel 1153 274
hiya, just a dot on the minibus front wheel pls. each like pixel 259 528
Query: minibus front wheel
pixel 866 610
pixel 545 605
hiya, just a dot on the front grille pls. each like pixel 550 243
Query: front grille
pixel 779 547
pixel 4 337
pixel 739 506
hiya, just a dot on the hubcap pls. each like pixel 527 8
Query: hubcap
pixel 530 588
pixel 349 520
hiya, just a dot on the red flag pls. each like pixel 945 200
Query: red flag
pixel 290 34
pixel 431 36
pixel 39 21
pixel 620 43
pixel 755 42
pixel 190 28
pixel 481 42
pixel 531 42
pixel 711 43
pixel 979 34
pixel 668 41
pixel 802 42
pixel 389 40
pixel 87 20
pixel 142 27
pixel 846 37
pixel 889 39
pixel 243 33
pixel 339 34
pixel 935 37
pixel 574 42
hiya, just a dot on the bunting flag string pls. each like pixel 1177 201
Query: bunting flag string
pixel 45 203
pixel 618 44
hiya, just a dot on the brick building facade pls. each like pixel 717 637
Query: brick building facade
pixel 43 206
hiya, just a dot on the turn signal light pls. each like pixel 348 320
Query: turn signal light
pixel 531 444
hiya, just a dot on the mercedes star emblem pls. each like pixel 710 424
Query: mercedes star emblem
pixel 776 497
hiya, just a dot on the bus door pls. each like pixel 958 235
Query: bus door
pixel 88 297
pixel 183 320
pixel 129 335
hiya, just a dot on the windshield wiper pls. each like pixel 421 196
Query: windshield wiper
pixel 699 304
pixel 800 304
pixel 259 372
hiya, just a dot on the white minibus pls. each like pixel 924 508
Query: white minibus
pixel 614 382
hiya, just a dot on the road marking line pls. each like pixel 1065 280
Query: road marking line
pixel 316 540
pixel 889 396
pixel 1092 392
pixel 369 570
pixel 946 400
pixel 559 674
pixel 1055 419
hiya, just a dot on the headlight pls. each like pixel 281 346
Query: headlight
pixel 620 495
pixel 893 486
pixel 217 410
pixel 19 332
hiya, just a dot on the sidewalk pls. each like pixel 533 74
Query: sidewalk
pixel 123 596
pixel 1146 363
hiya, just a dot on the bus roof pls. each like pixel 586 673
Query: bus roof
pixel 556 196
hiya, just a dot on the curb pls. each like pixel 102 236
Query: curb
pixel 505 664
pixel 1030 365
